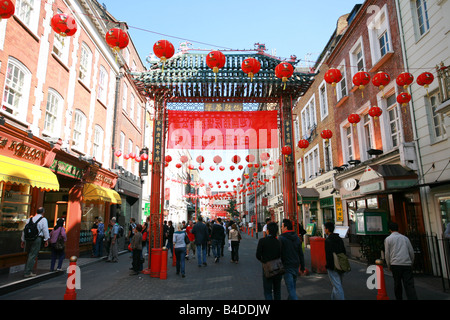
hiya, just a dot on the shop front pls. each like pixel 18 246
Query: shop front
pixel 129 187
pixel 24 179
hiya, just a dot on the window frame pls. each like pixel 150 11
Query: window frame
pixel 54 131
pixel 376 28
pixel 97 143
pixel 323 101
pixel 85 70
pixel 79 145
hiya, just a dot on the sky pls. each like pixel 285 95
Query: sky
pixel 287 27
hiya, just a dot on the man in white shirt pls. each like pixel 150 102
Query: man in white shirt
pixel 399 255
pixel 33 246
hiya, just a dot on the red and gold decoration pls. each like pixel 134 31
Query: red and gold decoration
pixel 117 39
pixel 7 9
pixel 425 79
pixel 404 80
pixel 251 66
pixel 63 24
pixel 404 98
pixel 164 50
pixel 333 76
pixel 326 134
pixel 381 80
pixel 215 60
pixel 375 112
pixel 361 79
pixel 303 144
pixel 284 71
pixel 354 118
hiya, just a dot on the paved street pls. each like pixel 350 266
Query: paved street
pixel 217 281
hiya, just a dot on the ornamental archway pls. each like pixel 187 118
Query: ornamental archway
pixel 186 82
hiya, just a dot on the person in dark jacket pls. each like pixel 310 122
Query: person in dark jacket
pixel 334 243
pixel 201 233
pixel 291 252
pixel 269 248
pixel 217 237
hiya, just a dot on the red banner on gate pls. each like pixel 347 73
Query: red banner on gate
pixel 219 130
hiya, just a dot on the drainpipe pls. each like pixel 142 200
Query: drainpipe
pixel 116 103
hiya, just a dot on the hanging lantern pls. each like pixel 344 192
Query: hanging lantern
pixel 375 112
pixel 221 168
pixel 168 159
pixel 178 165
pixel 217 159
pixel 212 168
pixel 240 167
pixel 191 167
pixel 286 150
pixel 303 144
pixel 361 79
pixel 184 159
pixel 232 168
pixel 144 156
pixel 201 168
pixel 284 71
pixel 126 156
pixel 117 39
pixel 132 155
pixel 251 66
pixel 404 98
pixel 118 153
pixel 250 158
pixel 381 80
pixel 215 60
pixel 200 159
pixel 404 79
pixel 63 24
pixel 333 76
pixel 7 9
pixel 425 79
pixel 164 50
pixel 354 118
pixel 264 156
pixel 326 134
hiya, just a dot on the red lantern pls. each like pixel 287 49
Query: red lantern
pixel 163 49
pixel 117 39
pixel 212 168
pixel 286 150
pixel 221 168
pixel 236 159
pixel 200 159
pixel 425 79
pixel 303 144
pixel 326 134
pixel 7 9
pixel 132 155
pixel 201 168
pixel 215 60
pixel 240 167
pixel 404 79
pixel 184 159
pixel 63 24
pixel 191 167
pixel 375 112
pixel 178 165
pixel 284 71
pixel 250 158
pixel 126 156
pixel 381 79
pixel 251 66
pixel 168 158
pixel 361 79
pixel 333 76
pixel 404 98
pixel 232 168
pixel 217 159
pixel 354 118
pixel 265 156
pixel 144 156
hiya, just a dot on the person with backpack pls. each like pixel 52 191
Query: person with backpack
pixel 57 241
pixel 34 233
pixel 115 235
pixel 334 244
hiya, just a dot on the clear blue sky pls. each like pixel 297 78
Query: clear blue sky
pixel 291 27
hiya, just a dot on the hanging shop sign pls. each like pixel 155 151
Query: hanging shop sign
pixel 66 169
pixel 158 141
pixel 339 211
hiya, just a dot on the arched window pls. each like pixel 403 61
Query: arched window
pixel 53 113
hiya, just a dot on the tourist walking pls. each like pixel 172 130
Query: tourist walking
pixel 136 249
pixel 191 246
pixel 217 237
pixel 180 249
pixel 399 255
pixel 201 233
pixel 57 241
pixel 291 250
pixel 235 237
pixel 170 231
pixel 113 255
pixel 268 249
pixel 334 244
pixel 98 248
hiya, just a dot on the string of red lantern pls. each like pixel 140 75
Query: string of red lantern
pixel 7 9
pixel 284 71
pixel 63 24
pixel 251 66
pixel 164 50
pixel 215 60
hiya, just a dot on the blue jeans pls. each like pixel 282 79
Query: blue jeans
pixel 290 279
pixel 216 245
pixel 270 284
pixel 201 253
pixel 336 281
pixel 180 254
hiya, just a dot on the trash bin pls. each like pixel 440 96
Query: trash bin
pixel 155 264
pixel 318 259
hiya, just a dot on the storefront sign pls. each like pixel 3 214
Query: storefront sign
pixel 350 184
pixel 20 149
pixel 66 169
pixel 339 211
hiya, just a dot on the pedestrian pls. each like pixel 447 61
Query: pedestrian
pixel 170 231
pixel 269 248
pixel 130 234
pixel 191 246
pixel 265 232
pixel 145 234
pixel 98 249
pixel 208 225
pixel 32 243
pixel 291 250
pixel 94 232
pixel 201 233
pixel 334 244
pixel 302 232
pixel 136 249
pixel 235 238
pixel 399 255
pixel 107 239
pixel 113 255
pixel 217 237
pixel 165 232
pixel 180 249
pixel 57 236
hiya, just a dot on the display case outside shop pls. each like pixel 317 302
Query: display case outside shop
pixel 371 222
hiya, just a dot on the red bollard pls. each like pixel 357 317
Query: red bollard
pixel 163 271
pixel 174 259
pixel 382 294
pixel 72 279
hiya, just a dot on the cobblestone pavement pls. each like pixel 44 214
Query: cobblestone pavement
pixel 218 281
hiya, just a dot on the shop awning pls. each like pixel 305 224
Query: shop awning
pixel 307 194
pixel 20 172
pixel 387 178
pixel 93 192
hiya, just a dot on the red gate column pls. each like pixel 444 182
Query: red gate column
pixel 289 180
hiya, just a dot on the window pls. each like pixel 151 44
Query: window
pixel 393 115
pixel 384 43
pixel 379 35
pixel 437 125
pixel 299 172
pixel 341 86
pixel 308 115
pixel 17 88
pixel 125 96
pixel 312 164
pixel 102 85
pixel 79 130
pixel 85 64
pixel 98 142
pixel 327 156
pixel 323 101
pixel 138 115
pixel 297 129
pixel 422 17
pixel 53 110
pixel 347 142
pixel 132 101
pixel 28 12
pixel 122 147
pixel 357 61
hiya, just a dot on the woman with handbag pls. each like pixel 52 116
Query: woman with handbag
pixel 179 242
pixel 268 252
pixel 58 239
